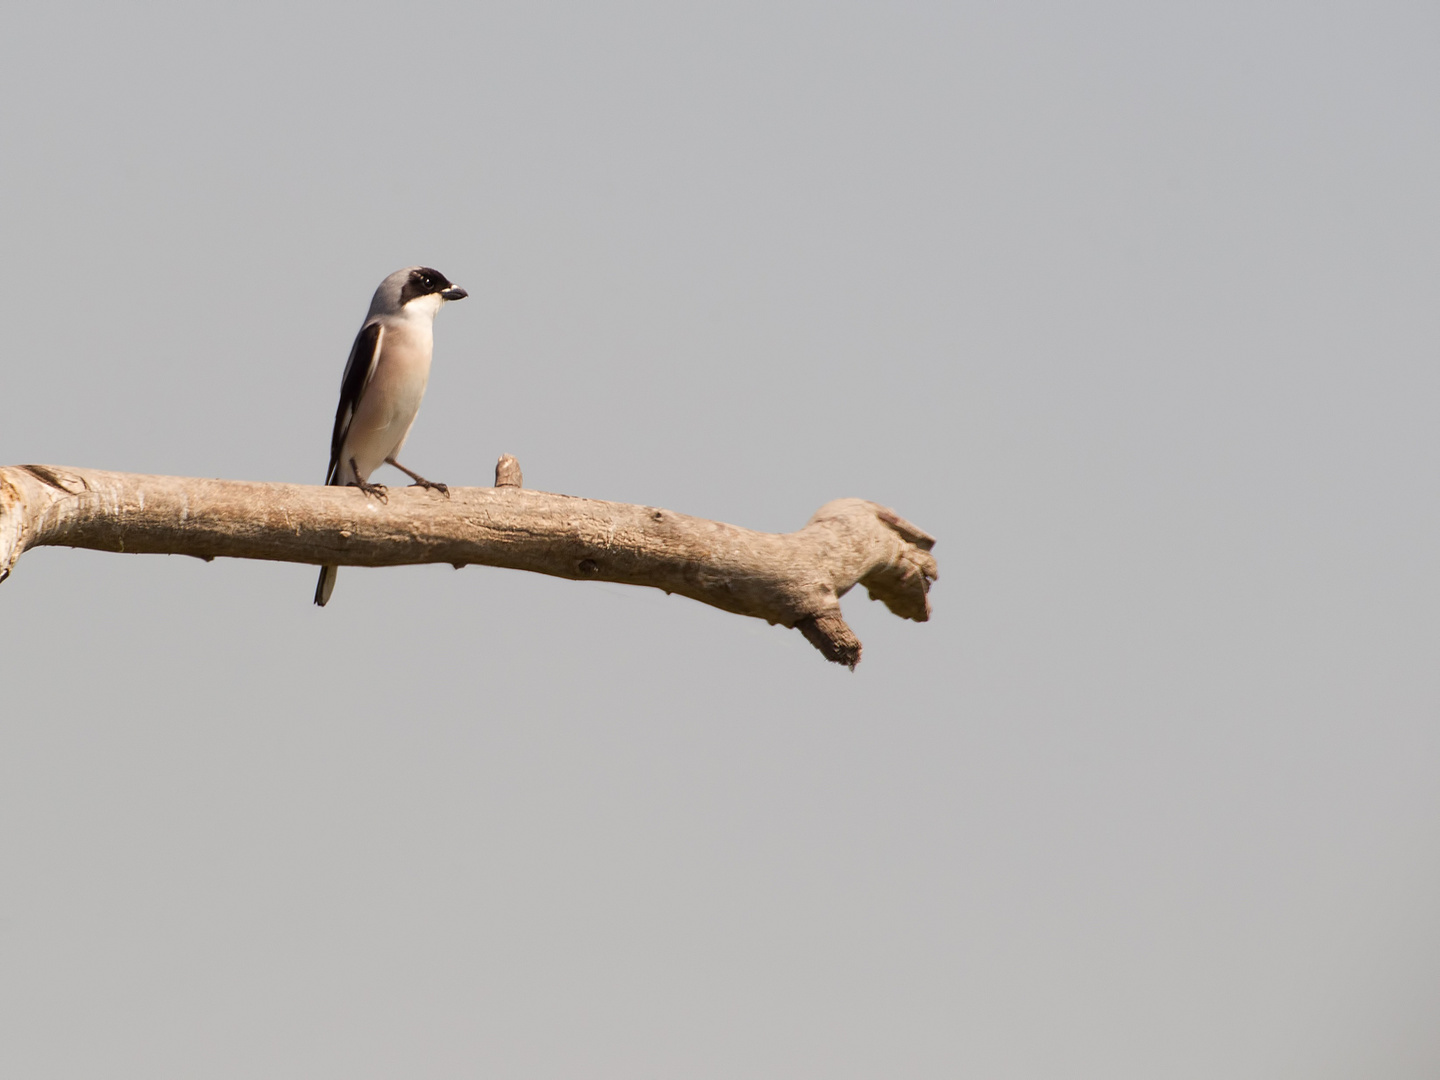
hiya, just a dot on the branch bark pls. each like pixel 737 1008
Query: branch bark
pixel 794 579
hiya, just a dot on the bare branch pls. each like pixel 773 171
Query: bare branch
pixel 794 579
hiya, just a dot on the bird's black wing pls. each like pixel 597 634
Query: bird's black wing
pixel 358 370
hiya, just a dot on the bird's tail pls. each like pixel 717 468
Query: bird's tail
pixel 326 585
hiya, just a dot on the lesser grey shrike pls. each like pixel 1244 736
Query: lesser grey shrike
pixel 383 384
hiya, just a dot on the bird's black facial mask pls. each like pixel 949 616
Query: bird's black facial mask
pixel 423 281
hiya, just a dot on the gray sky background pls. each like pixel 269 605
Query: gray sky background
pixel 1134 306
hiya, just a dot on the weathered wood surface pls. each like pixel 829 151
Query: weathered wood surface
pixel 794 579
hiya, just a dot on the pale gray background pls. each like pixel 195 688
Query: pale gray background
pixel 1134 306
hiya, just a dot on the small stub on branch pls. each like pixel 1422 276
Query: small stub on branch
pixel 507 472
pixel 829 633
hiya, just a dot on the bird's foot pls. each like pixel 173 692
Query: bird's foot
pixel 377 490
pixel 420 481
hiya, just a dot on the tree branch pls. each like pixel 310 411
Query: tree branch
pixel 794 579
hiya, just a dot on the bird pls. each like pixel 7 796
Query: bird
pixel 383 385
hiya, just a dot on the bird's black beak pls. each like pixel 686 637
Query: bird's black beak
pixel 454 293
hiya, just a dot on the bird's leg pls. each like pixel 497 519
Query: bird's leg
pixel 420 481
pixel 378 490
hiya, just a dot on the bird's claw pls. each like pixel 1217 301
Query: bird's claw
pixel 377 490
pixel 431 485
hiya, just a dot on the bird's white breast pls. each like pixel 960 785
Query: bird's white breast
pixel 391 399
